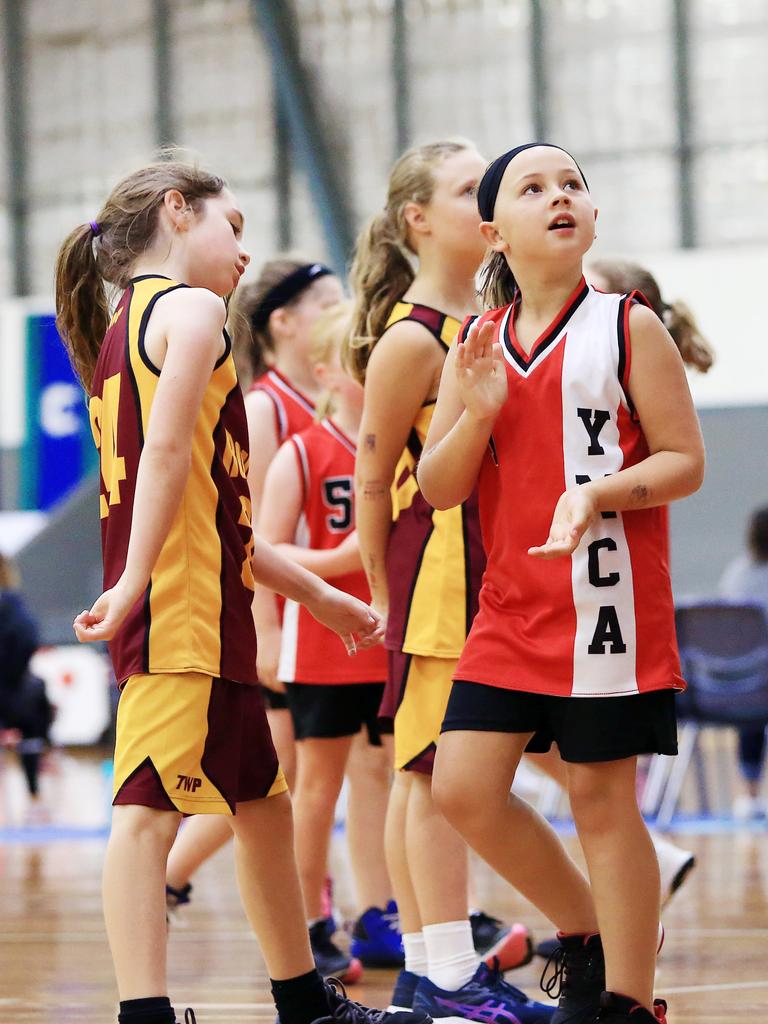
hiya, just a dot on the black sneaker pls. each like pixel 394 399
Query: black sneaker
pixel 578 978
pixel 616 1009
pixel 332 962
pixel 346 1011
pixel 495 940
pixel 175 898
pixel 546 948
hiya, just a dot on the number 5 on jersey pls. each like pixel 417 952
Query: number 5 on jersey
pixel 103 413
pixel 337 494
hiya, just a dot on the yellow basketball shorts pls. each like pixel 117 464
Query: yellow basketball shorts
pixel 415 699
pixel 192 743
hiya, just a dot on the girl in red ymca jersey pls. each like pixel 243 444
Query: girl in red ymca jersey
pixel 276 314
pixel 307 512
pixel 562 398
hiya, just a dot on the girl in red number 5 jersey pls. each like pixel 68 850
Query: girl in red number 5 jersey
pixel 308 512
pixel 570 409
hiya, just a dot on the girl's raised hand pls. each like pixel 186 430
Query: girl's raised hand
pixel 357 624
pixel 574 512
pixel 480 372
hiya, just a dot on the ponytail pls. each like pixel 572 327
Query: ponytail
pixel 623 277
pixel 106 250
pixel 694 348
pixel 497 282
pixel 380 274
pixel 82 304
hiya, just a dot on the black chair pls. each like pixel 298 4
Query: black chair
pixel 724 658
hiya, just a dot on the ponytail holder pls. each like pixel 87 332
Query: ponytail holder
pixel 95 228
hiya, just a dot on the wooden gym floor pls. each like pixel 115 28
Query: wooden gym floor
pixel 55 964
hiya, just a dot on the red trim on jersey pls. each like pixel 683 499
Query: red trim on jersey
pixel 292 390
pixel 301 458
pixel 291 417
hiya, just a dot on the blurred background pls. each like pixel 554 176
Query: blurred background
pixel 303 105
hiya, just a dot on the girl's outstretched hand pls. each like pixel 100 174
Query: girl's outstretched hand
pixel 105 617
pixel 357 624
pixel 574 512
pixel 480 372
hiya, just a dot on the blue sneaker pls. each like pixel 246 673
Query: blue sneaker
pixel 405 990
pixel 376 939
pixel 485 997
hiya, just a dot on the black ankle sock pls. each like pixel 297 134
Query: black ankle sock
pixel 300 1000
pixel 157 1010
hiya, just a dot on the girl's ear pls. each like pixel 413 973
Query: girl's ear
pixel 415 219
pixel 277 325
pixel 177 208
pixel 492 236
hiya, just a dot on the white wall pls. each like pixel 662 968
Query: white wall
pixel 725 290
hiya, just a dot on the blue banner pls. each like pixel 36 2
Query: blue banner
pixel 59 449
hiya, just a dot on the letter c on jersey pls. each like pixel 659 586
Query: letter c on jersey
pixel 593 556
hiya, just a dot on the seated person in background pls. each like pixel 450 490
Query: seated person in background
pixel 25 711
pixel 746 579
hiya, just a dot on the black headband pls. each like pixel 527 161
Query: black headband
pixel 489 185
pixel 289 288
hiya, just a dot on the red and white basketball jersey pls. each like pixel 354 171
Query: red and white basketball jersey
pixel 293 410
pixel 601 622
pixel 310 652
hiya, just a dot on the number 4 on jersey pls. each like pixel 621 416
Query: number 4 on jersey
pixel 103 413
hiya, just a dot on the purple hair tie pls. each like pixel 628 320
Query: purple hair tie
pixel 95 228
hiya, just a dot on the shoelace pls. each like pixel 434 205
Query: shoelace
pixel 553 986
pixel 350 1012
pixel 497 981
pixel 393 921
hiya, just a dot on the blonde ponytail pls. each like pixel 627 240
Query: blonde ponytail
pixel 382 269
pixel 381 272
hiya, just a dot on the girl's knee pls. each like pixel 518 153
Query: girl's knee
pixel 317 789
pixel 602 808
pixel 135 823
pixel 454 796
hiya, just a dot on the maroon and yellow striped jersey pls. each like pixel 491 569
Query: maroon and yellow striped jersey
pixel 195 614
pixel 435 559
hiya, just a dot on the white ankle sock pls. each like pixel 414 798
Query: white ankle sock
pixel 451 956
pixel 415 953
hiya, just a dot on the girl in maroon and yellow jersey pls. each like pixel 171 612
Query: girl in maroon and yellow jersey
pixel 179 566
pixel 275 314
